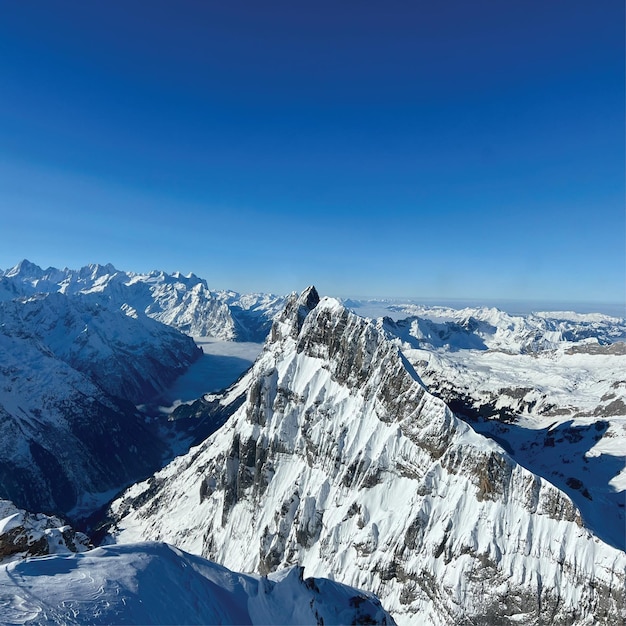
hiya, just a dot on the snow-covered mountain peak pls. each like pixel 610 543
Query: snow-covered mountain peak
pixel 96 270
pixel 185 302
pixel 297 307
pixel 336 458
pixel 26 269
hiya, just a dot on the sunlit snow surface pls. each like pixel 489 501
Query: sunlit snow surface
pixel 153 583
pixel 550 386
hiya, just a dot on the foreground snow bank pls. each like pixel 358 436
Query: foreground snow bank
pixel 154 583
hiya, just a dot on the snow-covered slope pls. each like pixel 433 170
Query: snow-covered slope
pixel 63 437
pixel 493 329
pixel 70 374
pixel 252 313
pixel 339 460
pixel 127 355
pixel 80 349
pixel 551 387
pixel 153 583
pixel 184 302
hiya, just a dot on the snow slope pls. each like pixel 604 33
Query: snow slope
pixel 336 458
pixel 550 387
pixel 79 354
pixel 153 583
pixel 127 355
pixel 62 436
pixel 70 375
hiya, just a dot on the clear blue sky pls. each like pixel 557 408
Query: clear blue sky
pixel 425 149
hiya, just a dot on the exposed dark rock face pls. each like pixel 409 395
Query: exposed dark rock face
pixel 295 311
pixel 25 534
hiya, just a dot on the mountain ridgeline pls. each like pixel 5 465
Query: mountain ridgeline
pixel 183 302
pixel 80 350
pixel 330 454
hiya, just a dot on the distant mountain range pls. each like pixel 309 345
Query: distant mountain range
pixel 183 302
pixel 81 348
pixel 466 466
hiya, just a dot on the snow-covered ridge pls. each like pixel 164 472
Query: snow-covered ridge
pixel 184 302
pixel 550 387
pixel 125 356
pixel 493 329
pixel 153 583
pixel 340 460
pixel 71 373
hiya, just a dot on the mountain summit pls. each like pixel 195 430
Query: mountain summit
pixel 184 302
pixel 339 460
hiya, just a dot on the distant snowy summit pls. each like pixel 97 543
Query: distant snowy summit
pixel 183 302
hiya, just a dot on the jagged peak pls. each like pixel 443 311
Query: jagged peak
pixel 355 345
pixel 309 298
pixel 330 432
pixel 96 270
pixel 297 307
pixel 305 303
pixel 109 267
pixel 25 267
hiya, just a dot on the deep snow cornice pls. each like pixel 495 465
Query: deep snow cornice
pixel 340 460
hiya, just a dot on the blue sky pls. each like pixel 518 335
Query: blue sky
pixel 463 150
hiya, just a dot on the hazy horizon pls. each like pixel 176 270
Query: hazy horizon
pixel 510 305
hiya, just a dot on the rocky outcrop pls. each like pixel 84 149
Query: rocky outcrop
pixel 547 387
pixel 25 534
